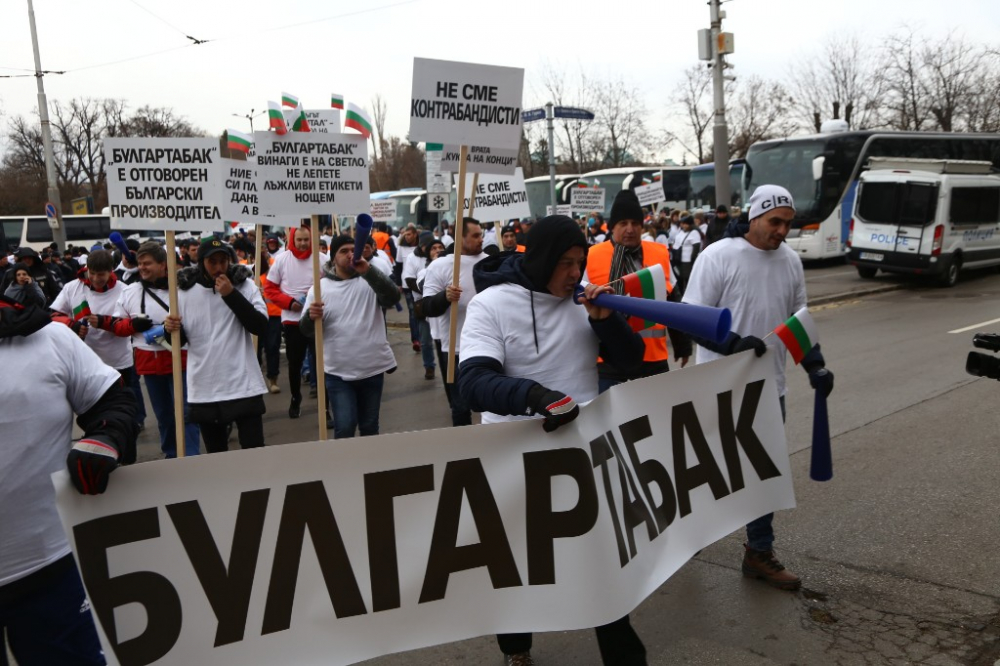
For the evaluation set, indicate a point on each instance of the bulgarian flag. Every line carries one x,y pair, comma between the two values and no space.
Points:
239,141
649,283
300,124
289,100
276,118
81,311
357,119
799,334
336,101
657,176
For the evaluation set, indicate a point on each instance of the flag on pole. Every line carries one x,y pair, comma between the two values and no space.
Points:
649,283
337,101
300,124
81,311
239,141
799,334
357,119
276,118
289,100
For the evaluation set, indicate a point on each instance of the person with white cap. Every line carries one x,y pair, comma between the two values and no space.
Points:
759,278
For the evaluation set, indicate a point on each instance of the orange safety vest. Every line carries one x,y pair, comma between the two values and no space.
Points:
381,239
599,271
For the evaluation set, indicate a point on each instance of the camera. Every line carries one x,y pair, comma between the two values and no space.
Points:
984,365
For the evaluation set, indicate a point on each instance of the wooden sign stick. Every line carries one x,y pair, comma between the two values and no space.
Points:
257,259
320,372
180,438
463,155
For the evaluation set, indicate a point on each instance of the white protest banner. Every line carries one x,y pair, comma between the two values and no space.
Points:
164,184
497,197
467,104
650,194
383,210
481,159
324,121
240,202
560,210
421,538
306,173
587,199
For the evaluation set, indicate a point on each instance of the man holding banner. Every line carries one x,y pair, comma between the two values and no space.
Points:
760,279
528,352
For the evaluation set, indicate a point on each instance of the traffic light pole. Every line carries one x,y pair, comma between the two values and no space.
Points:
720,148
550,116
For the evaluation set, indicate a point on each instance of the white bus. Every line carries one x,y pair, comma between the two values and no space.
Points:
673,178
821,171
539,197
81,230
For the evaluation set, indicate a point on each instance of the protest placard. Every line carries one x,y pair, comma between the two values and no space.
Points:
161,184
481,159
240,201
383,210
466,104
306,173
421,538
560,210
324,121
497,197
650,194
586,200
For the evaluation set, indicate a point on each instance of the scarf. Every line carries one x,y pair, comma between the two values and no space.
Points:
295,251
624,261
112,279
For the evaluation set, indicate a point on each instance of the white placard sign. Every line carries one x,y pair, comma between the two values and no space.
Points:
560,210
240,202
383,210
439,183
306,173
497,197
467,104
481,159
650,194
318,553
324,121
585,200
164,184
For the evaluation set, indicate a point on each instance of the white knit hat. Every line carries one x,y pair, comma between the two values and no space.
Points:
769,197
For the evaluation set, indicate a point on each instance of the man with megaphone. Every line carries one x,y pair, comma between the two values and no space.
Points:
760,279
528,352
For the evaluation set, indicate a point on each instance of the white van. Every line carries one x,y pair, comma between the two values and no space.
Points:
925,217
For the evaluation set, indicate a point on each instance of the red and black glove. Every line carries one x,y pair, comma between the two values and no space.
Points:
558,408
90,462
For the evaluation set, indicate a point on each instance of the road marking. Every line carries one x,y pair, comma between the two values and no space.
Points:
975,326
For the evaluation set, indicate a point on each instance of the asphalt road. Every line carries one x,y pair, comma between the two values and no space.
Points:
899,553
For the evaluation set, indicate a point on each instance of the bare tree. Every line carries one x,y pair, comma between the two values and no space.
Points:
905,92
694,97
621,116
379,110
757,110
951,72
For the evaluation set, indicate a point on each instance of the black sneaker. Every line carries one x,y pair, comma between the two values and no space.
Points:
294,410
313,392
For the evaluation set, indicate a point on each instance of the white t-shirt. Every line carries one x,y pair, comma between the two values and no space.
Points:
350,308
761,288
295,277
36,420
115,351
685,242
432,322
382,263
404,252
439,275
499,325
447,240
222,363
411,267
132,302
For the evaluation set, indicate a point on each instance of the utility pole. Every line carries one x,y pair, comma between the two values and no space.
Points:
58,230
722,43
550,116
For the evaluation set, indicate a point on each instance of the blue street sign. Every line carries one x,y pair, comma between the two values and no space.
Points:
532,114
572,112
50,211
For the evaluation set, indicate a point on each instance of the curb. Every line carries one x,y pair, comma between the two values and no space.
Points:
847,295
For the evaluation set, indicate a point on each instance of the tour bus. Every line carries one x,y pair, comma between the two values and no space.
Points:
81,230
673,178
539,197
821,171
702,183
924,216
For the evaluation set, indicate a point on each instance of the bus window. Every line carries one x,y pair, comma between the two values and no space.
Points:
39,230
12,230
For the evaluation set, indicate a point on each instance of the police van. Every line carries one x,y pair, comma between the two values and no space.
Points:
925,217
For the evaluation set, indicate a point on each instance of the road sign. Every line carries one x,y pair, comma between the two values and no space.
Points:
572,112
50,213
438,203
532,114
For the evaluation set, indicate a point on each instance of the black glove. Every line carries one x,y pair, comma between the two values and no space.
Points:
558,408
748,342
105,322
90,462
822,380
141,324
77,325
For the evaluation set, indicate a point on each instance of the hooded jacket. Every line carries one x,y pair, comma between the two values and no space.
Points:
47,278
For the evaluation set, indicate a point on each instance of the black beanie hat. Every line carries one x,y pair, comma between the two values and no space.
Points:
723,208
625,207
338,242
546,243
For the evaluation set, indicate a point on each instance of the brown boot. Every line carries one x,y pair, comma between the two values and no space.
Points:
763,565
428,373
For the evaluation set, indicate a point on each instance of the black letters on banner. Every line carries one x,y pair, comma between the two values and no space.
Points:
467,478
227,588
762,463
307,506
154,592
542,524
634,510
685,419
650,471
383,563
601,452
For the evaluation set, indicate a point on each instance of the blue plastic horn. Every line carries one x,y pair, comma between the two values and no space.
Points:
700,320
362,230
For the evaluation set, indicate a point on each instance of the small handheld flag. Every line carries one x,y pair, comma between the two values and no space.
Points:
276,118
239,141
649,283
337,101
798,334
358,120
81,311
289,100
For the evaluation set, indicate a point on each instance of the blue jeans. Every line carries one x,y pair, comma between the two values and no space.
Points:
140,403
355,404
426,344
414,326
270,344
760,532
161,397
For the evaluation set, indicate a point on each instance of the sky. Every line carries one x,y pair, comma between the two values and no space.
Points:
312,48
